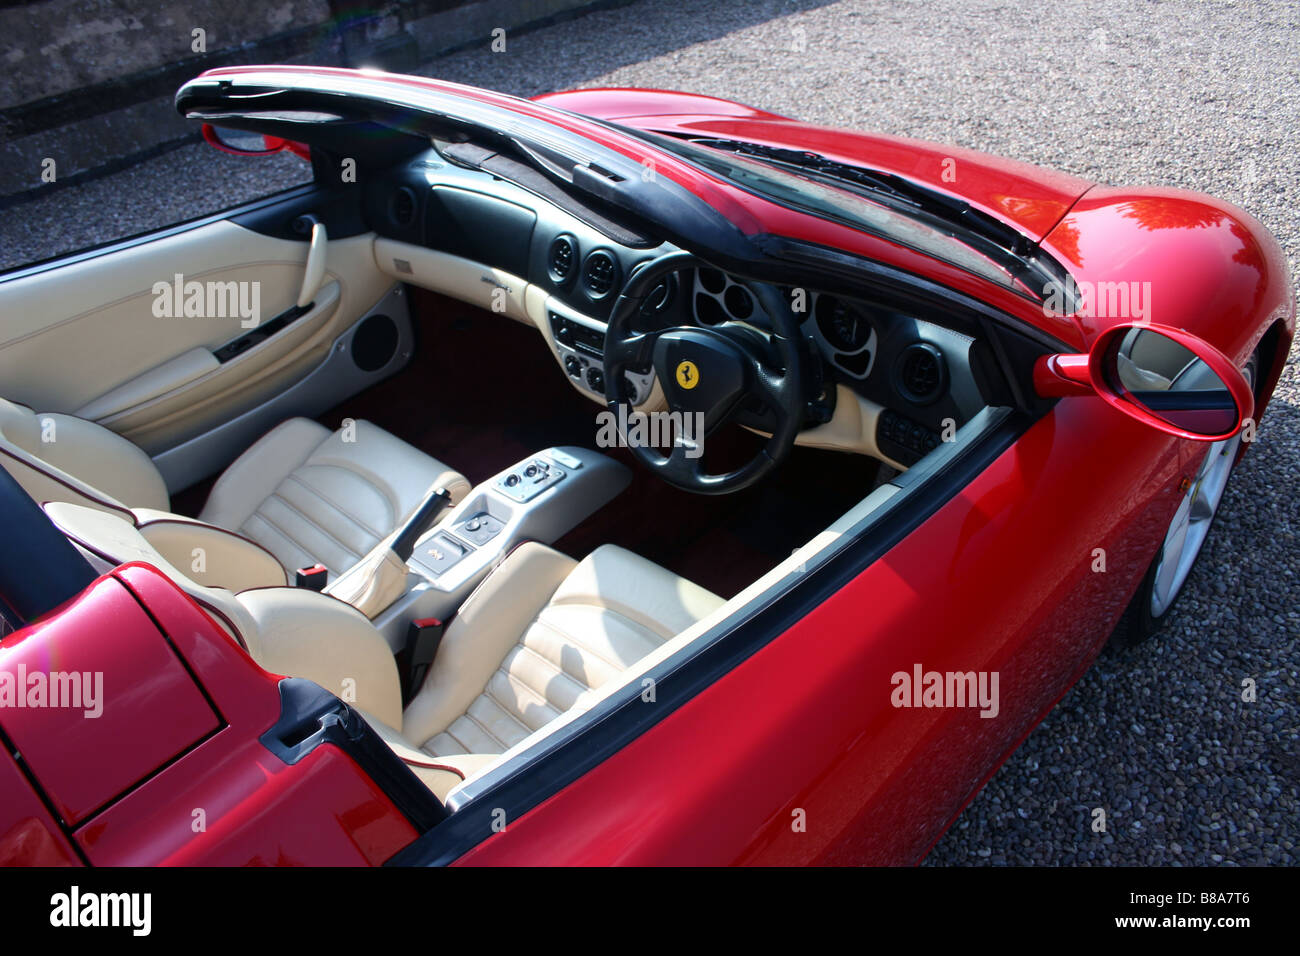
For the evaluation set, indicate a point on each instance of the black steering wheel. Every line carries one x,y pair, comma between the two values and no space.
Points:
707,372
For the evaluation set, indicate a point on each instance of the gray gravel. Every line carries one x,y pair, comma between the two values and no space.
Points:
1202,95
185,183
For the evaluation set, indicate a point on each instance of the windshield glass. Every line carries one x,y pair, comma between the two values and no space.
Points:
807,193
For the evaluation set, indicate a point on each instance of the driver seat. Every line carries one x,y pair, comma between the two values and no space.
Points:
539,636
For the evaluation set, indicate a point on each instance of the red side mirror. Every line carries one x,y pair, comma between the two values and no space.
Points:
241,143
1161,376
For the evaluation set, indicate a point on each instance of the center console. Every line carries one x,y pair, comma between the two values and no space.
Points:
540,498
581,343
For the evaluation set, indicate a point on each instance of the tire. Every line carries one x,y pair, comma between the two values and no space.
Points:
1155,600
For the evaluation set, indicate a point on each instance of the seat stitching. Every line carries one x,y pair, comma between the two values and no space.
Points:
565,634
539,694
607,609
645,625
456,740
308,520
278,530
559,669
447,733
505,710
313,522
339,508
294,542
475,721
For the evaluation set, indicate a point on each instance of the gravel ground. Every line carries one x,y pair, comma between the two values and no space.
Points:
184,183
1201,95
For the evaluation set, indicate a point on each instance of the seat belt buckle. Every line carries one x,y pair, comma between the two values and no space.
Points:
313,578
423,636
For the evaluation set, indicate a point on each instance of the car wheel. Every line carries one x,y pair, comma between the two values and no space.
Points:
1184,540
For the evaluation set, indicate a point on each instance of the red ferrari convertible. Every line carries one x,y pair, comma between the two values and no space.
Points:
622,476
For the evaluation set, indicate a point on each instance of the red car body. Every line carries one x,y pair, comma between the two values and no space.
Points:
175,772
794,755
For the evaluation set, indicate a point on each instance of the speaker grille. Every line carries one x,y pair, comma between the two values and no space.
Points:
375,343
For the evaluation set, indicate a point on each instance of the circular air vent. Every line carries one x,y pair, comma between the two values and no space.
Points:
561,257
660,296
402,206
921,374
599,273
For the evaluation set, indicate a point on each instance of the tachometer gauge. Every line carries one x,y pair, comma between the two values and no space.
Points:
842,327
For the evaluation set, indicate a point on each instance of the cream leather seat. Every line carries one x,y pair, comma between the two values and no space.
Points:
300,495
537,638
307,494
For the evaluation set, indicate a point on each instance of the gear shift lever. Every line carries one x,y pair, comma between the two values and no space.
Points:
424,517
378,579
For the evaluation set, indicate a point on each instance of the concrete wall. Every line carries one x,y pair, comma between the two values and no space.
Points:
89,83
55,46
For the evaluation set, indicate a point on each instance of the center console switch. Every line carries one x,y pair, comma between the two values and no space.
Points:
580,343
436,554
528,479
479,528
538,499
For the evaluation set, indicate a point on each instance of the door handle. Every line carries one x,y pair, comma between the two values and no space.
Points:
315,270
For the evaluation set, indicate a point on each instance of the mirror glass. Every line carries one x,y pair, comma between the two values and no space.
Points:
1171,382
241,141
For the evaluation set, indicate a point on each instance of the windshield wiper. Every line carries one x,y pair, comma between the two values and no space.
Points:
894,190
1017,253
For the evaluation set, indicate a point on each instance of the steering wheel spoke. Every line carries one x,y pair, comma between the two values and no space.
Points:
630,352
772,389
683,465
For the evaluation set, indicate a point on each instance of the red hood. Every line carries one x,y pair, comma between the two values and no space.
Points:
1031,199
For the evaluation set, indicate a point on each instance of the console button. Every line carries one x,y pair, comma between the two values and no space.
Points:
439,553
572,366
564,458
596,380
479,529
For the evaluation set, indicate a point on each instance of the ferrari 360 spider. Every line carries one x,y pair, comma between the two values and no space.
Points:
621,476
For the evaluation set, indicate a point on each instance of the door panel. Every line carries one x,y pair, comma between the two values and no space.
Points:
159,421
93,337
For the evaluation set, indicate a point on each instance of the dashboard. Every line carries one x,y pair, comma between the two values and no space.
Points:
544,257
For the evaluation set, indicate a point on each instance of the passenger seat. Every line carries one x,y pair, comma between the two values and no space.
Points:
302,493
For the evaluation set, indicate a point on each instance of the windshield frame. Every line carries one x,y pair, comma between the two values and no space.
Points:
868,212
